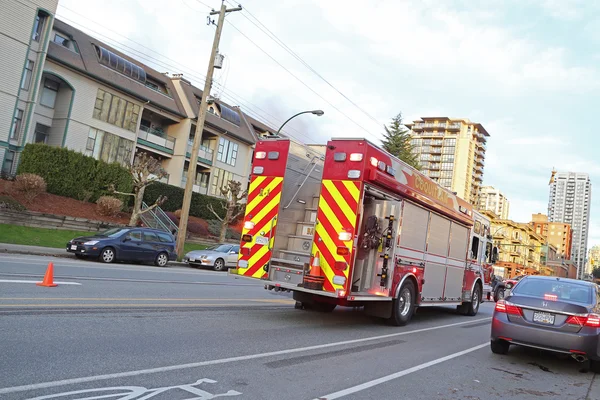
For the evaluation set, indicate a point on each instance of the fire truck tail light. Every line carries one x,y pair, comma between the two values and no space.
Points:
339,157
273,155
260,155
374,161
343,251
248,225
414,270
345,236
245,251
258,170
341,293
246,238
340,266
354,174
356,157
339,280
505,307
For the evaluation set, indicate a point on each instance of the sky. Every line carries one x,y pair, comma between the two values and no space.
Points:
527,70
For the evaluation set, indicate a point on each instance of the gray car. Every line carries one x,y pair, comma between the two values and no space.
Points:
219,257
556,314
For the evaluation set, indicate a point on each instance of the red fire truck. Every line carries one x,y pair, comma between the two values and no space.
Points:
349,224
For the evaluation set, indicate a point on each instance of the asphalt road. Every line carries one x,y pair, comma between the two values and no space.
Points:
141,332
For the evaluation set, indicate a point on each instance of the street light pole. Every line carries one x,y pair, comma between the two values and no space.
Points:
191,175
315,112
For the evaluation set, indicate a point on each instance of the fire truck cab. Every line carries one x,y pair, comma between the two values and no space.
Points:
349,224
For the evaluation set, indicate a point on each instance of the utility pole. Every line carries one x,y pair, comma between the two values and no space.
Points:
191,175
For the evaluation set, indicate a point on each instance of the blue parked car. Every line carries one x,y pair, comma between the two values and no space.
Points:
126,244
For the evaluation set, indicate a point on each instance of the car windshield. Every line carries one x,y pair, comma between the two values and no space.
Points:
221,248
114,232
563,290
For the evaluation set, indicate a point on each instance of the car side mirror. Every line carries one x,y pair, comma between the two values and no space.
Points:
126,239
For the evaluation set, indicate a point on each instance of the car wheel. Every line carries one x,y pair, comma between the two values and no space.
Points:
161,260
499,294
219,265
107,255
403,307
472,307
595,366
499,346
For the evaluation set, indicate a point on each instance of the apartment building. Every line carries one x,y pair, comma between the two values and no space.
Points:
451,152
570,200
593,259
491,199
521,249
98,101
25,30
558,234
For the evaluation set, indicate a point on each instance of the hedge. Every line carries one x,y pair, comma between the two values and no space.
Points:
198,206
71,174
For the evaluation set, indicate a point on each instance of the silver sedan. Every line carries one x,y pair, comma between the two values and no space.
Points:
556,314
218,257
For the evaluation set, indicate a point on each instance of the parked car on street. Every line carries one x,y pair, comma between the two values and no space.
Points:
555,314
218,257
126,244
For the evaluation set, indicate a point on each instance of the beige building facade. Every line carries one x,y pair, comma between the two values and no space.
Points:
491,199
451,152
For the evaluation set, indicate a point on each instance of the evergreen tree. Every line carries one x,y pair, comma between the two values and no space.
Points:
397,141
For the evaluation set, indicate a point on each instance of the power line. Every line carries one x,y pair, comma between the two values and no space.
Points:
276,39
298,79
199,77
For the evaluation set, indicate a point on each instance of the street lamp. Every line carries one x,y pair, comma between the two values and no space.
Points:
318,113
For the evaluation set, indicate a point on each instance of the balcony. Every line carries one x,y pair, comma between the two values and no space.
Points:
479,161
198,187
437,142
436,150
205,154
164,179
156,139
453,127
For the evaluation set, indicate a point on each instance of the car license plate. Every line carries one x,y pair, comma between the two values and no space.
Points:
192,260
263,241
73,247
543,318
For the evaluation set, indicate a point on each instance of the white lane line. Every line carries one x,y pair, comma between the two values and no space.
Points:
19,281
45,385
400,374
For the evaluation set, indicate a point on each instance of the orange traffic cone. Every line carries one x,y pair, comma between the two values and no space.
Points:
316,265
49,277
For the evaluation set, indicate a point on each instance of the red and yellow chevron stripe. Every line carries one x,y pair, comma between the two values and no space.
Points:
262,209
338,210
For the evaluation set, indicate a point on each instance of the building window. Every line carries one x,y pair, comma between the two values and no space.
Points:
9,160
26,82
41,133
227,152
156,86
448,150
15,130
108,147
220,179
49,92
38,26
116,111
119,64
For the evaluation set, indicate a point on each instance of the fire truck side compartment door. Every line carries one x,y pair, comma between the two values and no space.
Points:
459,239
435,258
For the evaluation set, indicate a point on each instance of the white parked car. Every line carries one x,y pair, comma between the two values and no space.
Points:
220,257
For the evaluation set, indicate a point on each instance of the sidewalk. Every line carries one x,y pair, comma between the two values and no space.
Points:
51,252
594,393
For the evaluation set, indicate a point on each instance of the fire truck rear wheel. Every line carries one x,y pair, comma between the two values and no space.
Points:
472,307
403,307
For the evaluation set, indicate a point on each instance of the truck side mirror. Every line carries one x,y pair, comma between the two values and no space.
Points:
494,255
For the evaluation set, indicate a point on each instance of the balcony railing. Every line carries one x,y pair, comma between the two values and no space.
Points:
205,154
153,137
164,179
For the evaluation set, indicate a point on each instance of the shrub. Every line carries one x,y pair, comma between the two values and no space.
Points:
8,203
173,217
109,206
72,174
197,229
214,228
198,206
30,186
177,213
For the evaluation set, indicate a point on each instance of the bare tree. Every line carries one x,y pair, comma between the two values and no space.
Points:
144,170
234,194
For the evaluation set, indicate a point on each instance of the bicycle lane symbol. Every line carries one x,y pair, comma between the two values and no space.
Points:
139,393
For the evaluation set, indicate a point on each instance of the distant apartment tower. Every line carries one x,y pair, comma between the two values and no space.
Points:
491,199
593,259
570,199
452,153
558,234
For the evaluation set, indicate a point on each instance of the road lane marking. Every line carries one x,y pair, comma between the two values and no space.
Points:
400,374
19,281
141,299
101,305
94,378
91,278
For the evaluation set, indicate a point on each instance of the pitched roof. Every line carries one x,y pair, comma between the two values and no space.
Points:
87,62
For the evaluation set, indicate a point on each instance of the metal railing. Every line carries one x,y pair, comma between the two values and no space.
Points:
157,137
204,152
157,219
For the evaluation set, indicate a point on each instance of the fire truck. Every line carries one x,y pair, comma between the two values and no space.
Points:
348,224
